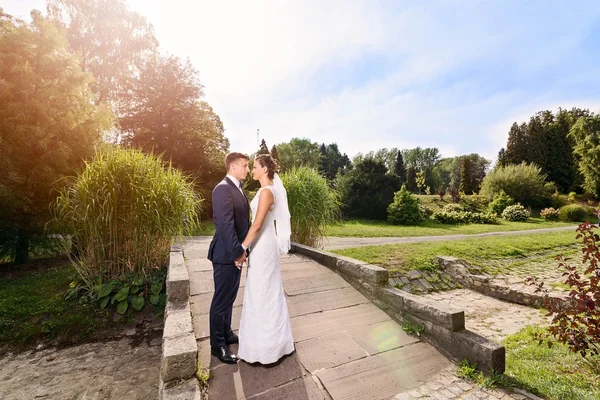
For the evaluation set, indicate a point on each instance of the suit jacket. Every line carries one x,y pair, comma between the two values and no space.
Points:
231,214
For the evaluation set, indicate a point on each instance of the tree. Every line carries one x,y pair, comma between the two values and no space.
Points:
411,179
263,149
420,179
333,161
466,176
113,43
166,115
535,137
423,160
399,168
404,210
48,122
367,190
586,135
274,152
298,153
516,147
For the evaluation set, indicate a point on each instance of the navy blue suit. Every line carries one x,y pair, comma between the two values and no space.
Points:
231,214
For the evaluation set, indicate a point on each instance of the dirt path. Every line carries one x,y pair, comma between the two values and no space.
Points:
334,243
120,369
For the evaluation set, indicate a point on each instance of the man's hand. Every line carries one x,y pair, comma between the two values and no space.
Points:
240,260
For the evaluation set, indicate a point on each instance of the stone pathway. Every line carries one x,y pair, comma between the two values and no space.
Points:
334,243
346,348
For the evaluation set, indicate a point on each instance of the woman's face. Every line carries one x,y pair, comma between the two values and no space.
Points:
258,170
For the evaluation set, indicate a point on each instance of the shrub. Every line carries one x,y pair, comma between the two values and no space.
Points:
405,209
465,217
516,213
442,193
524,183
501,201
576,322
550,214
313,204
426,212
572,197
453,207
452,217
573,212
558,200
123,212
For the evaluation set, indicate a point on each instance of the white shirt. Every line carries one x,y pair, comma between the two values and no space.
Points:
236,182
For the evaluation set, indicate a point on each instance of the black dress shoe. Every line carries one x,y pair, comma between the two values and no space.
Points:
233,339
224,354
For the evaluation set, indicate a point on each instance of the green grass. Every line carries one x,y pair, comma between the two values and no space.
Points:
554,373
488,253
206,228
368,228
33,309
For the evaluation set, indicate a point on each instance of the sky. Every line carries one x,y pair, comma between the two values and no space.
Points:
451,74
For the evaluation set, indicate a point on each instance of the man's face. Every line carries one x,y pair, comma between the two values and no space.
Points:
239,169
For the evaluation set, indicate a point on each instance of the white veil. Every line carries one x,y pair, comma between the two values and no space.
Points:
282,216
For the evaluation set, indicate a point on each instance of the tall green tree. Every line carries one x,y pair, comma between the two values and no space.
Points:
299,152
367,190
586,135
274,152
333,161
112,41
48,123
399,168
168,116
516,147
263,149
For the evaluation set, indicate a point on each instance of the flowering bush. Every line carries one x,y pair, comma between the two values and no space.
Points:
453,207
464,217
516,212
550,214
501,201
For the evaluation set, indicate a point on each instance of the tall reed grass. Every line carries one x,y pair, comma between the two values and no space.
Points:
313,205
123,212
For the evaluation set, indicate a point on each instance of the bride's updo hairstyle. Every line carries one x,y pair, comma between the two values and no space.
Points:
266,160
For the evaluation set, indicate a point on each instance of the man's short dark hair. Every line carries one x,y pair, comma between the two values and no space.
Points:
233,157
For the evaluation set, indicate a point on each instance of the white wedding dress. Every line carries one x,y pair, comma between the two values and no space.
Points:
265,332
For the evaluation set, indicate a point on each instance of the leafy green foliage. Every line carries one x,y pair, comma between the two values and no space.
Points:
123,211
464,217
49,124
298,152
367,190
573,212
576,321
586,135
404,210
313,204
333,162
412,328
500,202
524,183
124,292
516,213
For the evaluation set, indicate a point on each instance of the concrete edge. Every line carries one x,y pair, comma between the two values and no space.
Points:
179,359
444,324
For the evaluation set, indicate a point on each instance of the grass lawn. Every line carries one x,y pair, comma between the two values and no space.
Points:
492,254
207,228
368,228
33,308
554,373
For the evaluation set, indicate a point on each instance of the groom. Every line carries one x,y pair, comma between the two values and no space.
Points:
231,215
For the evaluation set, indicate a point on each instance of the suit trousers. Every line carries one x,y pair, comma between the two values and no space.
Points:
227,282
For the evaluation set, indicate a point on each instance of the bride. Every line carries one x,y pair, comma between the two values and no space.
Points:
265,333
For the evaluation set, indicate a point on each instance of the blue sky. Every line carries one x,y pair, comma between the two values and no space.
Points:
371,74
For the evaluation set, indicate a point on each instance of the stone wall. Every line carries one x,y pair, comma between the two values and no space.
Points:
444,325
179,360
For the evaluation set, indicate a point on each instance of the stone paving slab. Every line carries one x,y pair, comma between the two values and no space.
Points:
309,303
327,322
312,285
329,351
381,337
384,375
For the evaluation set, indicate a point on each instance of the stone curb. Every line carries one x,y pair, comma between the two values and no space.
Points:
179,359
444,324
459,271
